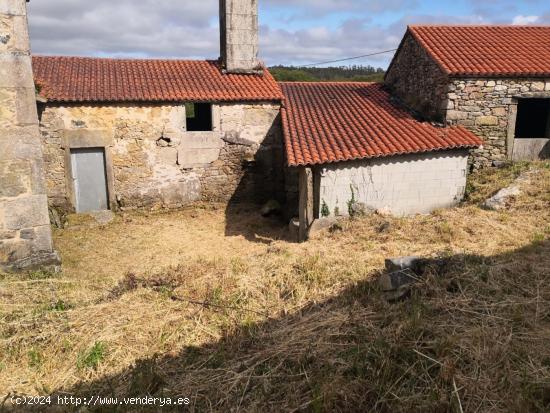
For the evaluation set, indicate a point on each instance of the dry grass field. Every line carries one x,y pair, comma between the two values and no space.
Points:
217,306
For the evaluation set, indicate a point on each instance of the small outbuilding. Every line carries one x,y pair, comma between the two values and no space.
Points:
493,80
354,146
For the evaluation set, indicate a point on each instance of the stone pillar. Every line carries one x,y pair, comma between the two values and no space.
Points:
25,233
239,36
307,202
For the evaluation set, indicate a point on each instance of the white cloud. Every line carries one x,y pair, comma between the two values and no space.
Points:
189,29
524,20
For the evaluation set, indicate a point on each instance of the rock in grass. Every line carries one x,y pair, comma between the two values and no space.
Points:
103,217
397,280
294,230
270,208
413,263
323,223
501,199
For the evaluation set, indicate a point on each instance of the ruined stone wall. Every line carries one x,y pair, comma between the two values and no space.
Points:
154,162
488,107
25,234
417,80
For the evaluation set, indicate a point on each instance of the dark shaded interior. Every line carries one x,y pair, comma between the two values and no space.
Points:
533,118
199,117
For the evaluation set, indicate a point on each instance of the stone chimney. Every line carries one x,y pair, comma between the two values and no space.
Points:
25,234
239,36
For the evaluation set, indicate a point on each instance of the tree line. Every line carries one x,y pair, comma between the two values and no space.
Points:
353,73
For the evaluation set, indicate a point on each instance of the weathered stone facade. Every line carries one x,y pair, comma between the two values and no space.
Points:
152,161
488,108
417,80
25,234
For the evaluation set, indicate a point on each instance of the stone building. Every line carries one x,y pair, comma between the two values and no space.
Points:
25,234
354,147
142,133
494,80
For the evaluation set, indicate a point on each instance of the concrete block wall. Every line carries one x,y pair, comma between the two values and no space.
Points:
239,36
402,185
25,234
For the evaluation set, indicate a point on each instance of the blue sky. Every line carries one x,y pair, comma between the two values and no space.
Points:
292,31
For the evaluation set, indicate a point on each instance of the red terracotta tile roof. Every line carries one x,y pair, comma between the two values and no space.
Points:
331,122
78,79
487,50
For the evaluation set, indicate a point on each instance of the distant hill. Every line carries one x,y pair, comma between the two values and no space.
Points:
327,74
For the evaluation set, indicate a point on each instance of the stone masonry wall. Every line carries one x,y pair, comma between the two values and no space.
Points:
25,234
417,80
487,107
156,163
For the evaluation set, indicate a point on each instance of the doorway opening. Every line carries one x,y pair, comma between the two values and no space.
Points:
532,130
89,179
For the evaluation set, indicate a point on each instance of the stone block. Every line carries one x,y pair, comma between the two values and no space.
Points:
537,86
15,71
242,21
402,263
235,139
241,7
181,193
244,52
242,37
7,235
199,148
499,111
43,239
25,106
14,36
321,224
456,115
486,121
194,158
14,178
8,115
26,212
14,250
87,138
27,233
167,155
396,280
294,229
13,7
20,42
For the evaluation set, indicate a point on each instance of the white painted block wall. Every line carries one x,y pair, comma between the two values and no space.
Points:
404,185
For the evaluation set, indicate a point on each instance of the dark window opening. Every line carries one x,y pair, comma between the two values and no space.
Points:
199,117
533,118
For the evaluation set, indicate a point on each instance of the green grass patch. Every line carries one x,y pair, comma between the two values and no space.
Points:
91,358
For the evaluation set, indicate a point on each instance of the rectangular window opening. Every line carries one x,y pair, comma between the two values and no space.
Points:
199,117
533,118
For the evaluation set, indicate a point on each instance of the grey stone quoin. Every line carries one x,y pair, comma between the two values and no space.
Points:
25,234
